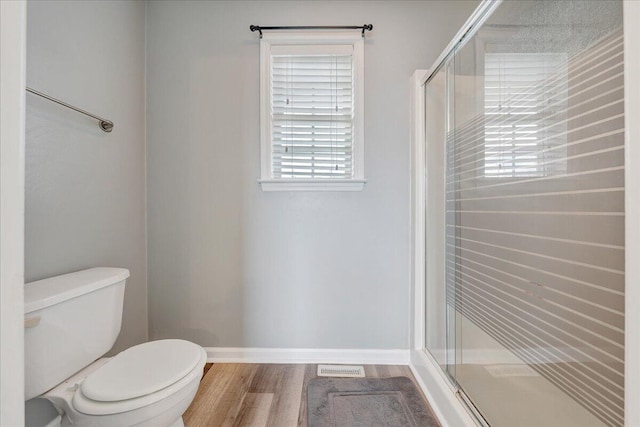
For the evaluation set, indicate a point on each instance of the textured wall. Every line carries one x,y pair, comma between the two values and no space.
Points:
230,265
85,189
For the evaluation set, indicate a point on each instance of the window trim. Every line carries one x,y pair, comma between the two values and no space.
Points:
272,39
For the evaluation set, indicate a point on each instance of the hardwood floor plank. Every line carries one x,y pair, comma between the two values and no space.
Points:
237,400
286,402
397,371
382,370
370,371
255,410
229,405
208,394
220,394
207,366
268,378
309,373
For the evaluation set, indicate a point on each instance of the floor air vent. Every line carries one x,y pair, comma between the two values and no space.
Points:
341,371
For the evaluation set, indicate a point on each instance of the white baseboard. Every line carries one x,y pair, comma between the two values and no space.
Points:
446,405
307,355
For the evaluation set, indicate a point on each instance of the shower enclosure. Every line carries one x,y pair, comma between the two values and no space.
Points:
525,214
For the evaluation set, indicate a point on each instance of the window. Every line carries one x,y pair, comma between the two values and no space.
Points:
525,105
312,111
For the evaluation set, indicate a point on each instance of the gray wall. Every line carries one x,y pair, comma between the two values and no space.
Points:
85,189
230,265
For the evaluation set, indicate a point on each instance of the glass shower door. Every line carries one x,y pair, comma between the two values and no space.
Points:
532,280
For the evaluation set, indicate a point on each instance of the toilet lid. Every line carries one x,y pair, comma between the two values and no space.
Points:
141,370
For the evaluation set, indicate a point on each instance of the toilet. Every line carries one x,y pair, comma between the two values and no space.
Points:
71,321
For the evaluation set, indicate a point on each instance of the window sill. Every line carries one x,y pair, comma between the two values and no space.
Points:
312,185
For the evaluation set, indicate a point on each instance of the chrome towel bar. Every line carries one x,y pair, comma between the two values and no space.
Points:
105,125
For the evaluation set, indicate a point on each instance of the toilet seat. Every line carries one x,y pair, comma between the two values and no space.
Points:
140,376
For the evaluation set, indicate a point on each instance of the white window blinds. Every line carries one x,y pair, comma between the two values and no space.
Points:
312,114
525,94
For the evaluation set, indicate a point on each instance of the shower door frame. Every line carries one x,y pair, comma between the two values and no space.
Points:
631,17
13,50
448,403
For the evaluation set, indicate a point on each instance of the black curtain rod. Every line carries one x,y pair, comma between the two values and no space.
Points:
367,27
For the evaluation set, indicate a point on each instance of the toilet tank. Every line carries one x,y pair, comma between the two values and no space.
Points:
70,321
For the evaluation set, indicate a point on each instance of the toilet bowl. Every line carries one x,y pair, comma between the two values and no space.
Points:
142,386
72,320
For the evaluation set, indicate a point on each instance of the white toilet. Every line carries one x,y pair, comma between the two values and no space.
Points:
72,320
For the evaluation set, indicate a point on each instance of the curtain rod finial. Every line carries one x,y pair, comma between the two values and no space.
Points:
257,28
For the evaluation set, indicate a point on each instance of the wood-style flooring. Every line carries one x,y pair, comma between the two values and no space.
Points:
234,394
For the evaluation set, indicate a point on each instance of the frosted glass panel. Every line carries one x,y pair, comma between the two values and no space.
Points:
534,186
